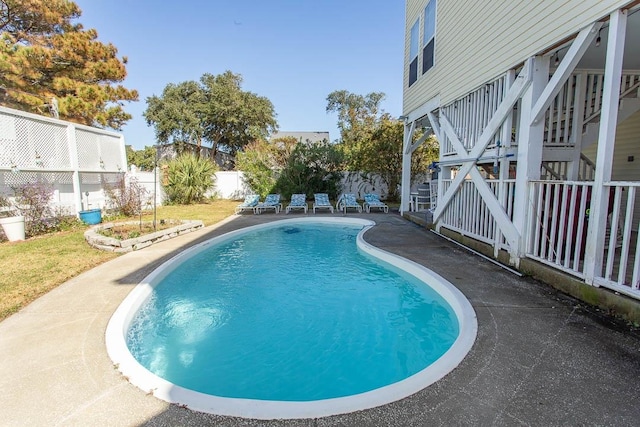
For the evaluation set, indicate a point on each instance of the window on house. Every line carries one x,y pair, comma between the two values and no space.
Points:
413,52
429,36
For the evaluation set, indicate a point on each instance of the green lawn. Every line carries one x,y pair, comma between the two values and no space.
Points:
34,267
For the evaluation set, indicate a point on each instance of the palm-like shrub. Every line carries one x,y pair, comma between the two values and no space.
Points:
188,179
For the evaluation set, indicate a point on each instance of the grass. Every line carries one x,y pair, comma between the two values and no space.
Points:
34,267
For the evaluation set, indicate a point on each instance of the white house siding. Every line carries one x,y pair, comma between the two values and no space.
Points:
497,36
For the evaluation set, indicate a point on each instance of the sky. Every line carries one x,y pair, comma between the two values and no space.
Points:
294,52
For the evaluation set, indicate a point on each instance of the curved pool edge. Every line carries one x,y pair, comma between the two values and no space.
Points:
139,376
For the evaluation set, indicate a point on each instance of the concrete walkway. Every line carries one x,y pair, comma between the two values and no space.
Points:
539,359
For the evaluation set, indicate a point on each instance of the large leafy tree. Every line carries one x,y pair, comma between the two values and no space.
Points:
48,62
178,115
372,140
214,111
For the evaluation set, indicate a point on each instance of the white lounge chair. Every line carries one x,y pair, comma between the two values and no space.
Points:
250,203
372,200
346,201
272,201
298,201
321,201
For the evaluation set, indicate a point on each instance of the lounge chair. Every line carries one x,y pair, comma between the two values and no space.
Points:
321,201
272,201
298,201
372,200
346,201
250,203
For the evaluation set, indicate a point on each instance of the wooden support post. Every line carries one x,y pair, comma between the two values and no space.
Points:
406,167
529,152
606,142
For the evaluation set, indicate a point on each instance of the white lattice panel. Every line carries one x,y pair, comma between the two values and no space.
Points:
99,151
29,143
90,178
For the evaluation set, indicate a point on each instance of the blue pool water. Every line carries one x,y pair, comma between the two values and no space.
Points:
290,313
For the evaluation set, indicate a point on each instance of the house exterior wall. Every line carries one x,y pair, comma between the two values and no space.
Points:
497,36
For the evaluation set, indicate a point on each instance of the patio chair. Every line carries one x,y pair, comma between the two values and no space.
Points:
250,203
346,201
372,200
272,201
298,201
321,201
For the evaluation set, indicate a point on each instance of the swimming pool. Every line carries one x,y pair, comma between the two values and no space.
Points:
387,363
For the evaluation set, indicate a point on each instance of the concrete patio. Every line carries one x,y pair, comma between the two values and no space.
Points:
540,358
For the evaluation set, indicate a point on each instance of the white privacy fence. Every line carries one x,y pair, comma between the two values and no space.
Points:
76,160
231,185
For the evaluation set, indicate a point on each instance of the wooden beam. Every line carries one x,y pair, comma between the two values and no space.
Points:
424,109
511,98
435,125
407,138
606,142
564,70
502,219
448,130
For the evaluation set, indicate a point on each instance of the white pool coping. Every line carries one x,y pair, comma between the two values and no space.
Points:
268,409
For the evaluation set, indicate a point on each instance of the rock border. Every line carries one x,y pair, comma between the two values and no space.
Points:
99,241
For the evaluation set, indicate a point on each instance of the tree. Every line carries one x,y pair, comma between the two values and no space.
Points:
47,62
144,159
382,155
372,140
357,118
215,111
178,115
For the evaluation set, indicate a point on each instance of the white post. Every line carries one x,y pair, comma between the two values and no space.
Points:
606,143
529,157
406,167
504,162
73,155
573,171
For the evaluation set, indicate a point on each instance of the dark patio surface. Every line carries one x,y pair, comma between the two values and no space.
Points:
540,358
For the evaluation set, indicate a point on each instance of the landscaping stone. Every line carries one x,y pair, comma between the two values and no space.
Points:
99,241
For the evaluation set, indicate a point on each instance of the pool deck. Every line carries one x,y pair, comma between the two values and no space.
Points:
540,358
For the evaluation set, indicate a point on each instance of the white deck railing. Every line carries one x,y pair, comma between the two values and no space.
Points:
558,224
468,214
558,229
621,252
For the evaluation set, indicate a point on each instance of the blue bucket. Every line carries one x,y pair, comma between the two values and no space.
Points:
91,216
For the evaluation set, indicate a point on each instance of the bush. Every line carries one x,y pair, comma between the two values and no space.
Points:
32,201
188,179
314,168
126,199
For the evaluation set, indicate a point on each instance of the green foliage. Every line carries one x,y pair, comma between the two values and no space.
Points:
258,164
144,159
214,111
371,140
178,116
188,179
49,63
285,166
313,168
